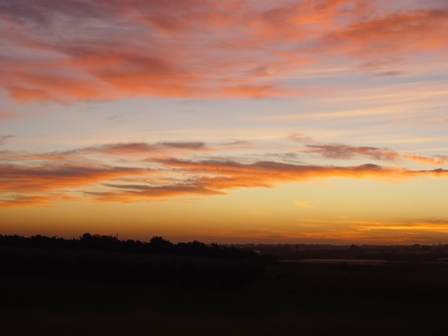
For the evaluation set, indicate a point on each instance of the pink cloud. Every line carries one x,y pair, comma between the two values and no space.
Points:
390,34
339,151
202,49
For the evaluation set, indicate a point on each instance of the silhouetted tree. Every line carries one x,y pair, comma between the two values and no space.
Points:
160,245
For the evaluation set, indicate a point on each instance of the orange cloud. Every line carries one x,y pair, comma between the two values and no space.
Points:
391,34
134,193
173,169
20,201
31,87
25,201
434,161
23,179
144,151
203,49
223,175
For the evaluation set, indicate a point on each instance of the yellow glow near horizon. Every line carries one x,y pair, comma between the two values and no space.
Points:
338,214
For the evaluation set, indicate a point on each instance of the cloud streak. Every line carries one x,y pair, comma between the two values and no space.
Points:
17,179
347,152
164,170
344,152
230,174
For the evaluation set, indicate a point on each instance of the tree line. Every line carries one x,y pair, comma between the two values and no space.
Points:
106,258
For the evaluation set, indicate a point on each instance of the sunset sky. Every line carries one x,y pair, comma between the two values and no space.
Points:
286,121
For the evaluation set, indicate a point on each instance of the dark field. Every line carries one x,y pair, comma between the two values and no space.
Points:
90,290
304,301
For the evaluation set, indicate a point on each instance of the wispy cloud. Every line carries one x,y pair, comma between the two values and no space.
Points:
203,49
163,148
416,30
338,151
135,150
134,193
20,201
347,152
231,174
435,161
178,169
25,201
16,179
4,138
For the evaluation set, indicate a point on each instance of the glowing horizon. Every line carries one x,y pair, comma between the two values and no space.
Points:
255,121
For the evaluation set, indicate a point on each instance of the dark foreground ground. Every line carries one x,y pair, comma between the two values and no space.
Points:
292,299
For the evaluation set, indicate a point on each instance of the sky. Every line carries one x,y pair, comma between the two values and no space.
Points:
286,121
